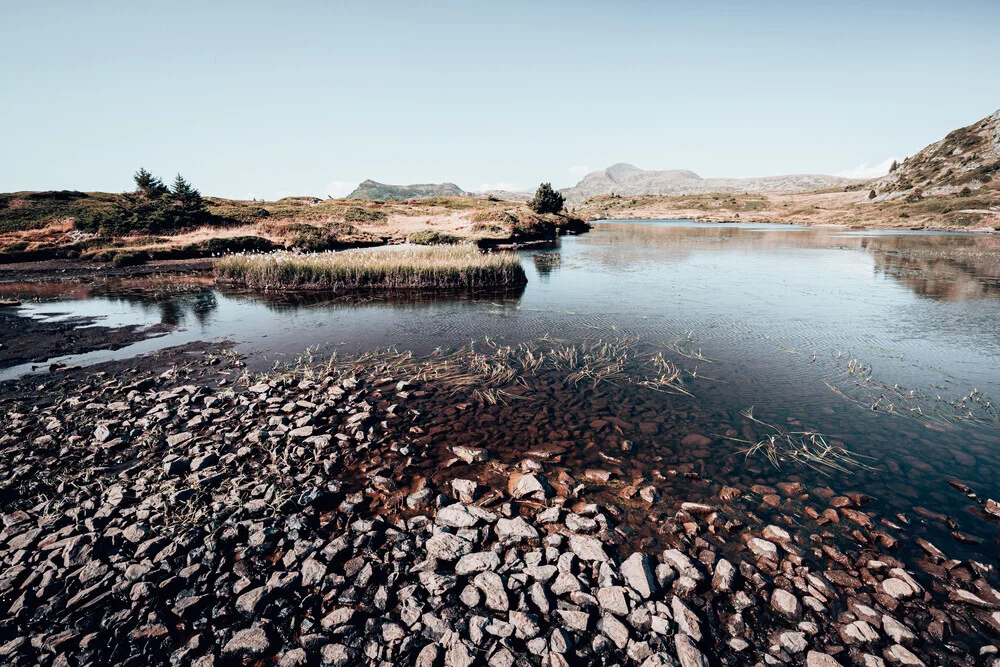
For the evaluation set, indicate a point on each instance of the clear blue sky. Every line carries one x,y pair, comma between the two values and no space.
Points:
268,98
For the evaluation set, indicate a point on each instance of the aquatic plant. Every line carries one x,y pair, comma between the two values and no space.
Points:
860,386
810,448
432,267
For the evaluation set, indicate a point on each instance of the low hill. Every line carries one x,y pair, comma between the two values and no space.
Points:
629,180
968,158
370,189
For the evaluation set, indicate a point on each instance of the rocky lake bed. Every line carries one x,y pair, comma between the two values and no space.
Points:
186,512
597,489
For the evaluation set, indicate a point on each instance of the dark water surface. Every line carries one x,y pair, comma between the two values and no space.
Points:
888,343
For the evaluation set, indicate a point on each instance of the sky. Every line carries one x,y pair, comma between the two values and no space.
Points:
265,99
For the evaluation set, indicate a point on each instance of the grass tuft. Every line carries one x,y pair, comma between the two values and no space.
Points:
432,267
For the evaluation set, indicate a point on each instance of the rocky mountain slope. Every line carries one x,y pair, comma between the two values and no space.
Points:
969,158
628,180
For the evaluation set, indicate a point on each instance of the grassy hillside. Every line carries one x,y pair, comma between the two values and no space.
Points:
50,225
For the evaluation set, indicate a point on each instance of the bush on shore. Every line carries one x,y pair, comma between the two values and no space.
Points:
432,237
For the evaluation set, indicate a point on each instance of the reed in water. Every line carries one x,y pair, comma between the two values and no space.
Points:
433,267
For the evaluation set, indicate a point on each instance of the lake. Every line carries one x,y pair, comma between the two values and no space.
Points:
887,344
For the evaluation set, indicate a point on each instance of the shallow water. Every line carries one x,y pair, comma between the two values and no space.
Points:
873,338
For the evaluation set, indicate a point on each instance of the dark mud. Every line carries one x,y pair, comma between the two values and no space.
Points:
25,339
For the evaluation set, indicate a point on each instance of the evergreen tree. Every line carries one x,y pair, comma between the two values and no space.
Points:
148,186
546,200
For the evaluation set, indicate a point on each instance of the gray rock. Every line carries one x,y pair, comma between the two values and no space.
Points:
725,574
818,659
687,621
612,599
587,548
455,516
491,585
897,631
793,642
252,642
786,604
688,653
613,629
445,546
898,654
515,530
638,574
477,562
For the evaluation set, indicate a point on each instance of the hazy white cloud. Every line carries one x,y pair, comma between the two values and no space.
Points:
486,187
339,189
580,170
868,170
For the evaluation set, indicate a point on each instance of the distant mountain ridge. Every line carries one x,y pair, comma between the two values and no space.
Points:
370,189
627,180
968,157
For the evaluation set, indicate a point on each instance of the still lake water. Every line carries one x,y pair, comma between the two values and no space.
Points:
874,338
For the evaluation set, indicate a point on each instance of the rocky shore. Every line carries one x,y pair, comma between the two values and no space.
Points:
189,513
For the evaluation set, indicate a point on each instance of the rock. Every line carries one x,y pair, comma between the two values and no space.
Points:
684,565
578,621
428,656
777,535
697,509
337,618
860,632
465,489
335,655
587,548
695,441
613,629
491,585
786,604
477,562
687,621
898,654
515,530
455,516
897,588
530,485
252,642
659,660
688,653
470,454
725,574
638,574
446,546
818,659
612,599
793,642
581,524
525,625
763,549
898,632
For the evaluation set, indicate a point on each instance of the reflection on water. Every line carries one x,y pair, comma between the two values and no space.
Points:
773,317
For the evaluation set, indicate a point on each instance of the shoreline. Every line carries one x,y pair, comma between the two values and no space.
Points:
328,514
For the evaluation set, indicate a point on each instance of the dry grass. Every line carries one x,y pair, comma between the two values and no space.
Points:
432,267
808,448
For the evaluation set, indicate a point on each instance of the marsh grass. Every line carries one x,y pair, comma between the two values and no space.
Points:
859,385
809,448
494,373
431,267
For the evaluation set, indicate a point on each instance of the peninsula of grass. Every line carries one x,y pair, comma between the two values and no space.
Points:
424,268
